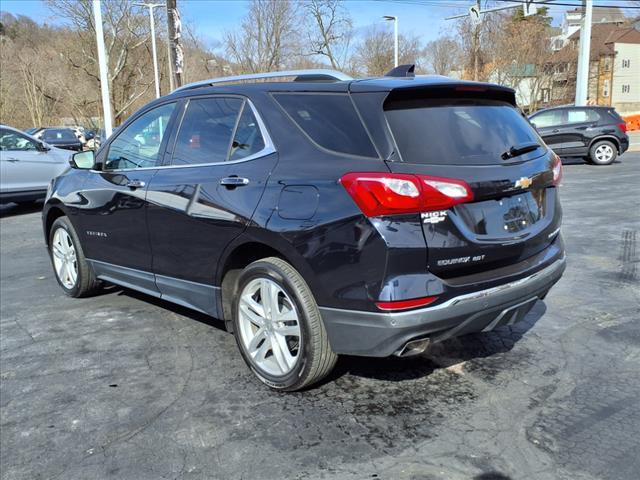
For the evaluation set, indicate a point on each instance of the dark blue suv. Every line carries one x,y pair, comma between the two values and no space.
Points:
319,216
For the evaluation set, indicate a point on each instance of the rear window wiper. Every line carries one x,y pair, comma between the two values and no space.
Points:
521,149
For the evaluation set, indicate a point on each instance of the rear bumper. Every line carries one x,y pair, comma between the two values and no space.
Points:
624,144
379,334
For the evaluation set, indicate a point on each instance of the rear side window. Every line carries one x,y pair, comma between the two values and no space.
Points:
582,115
458,133
247,139
206,130
330,120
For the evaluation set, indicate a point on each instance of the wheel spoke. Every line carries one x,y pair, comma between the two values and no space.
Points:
255,341
253,310
288,331
261,353
281,352
60,270
288,316
57,251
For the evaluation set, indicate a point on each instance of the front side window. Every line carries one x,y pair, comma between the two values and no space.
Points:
206,130
14,141
138,145
547,119
330,120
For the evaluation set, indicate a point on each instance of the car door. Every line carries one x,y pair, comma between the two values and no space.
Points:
582,125
549,125
220,162
25,165
111,212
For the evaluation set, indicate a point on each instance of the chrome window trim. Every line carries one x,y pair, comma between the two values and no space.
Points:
268,149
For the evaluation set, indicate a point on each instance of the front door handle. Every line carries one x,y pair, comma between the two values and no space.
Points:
234,181
13,160
555,130
135,184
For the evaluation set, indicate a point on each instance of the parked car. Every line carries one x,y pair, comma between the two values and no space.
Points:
597,134
62,138
33,131
317,218
27,166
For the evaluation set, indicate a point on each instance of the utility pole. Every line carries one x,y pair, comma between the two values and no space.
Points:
395,37
102,64
476,44
174,29
151,6
582,79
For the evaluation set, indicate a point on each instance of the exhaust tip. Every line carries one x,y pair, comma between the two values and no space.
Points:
414,347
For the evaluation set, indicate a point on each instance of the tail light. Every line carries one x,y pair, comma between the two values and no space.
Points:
405,304
378,194
557,170
623,126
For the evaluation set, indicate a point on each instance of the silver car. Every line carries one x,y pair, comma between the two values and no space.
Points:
27,166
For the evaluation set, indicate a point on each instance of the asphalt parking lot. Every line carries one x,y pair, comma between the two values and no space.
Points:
125,386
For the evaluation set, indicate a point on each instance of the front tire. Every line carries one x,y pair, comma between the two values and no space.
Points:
72,271
278,327
603,153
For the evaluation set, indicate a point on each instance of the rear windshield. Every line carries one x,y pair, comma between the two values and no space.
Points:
51,135
451,132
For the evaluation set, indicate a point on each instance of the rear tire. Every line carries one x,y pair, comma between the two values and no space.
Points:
603,152
278,327
72,271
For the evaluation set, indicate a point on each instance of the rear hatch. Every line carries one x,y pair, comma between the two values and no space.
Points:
476,137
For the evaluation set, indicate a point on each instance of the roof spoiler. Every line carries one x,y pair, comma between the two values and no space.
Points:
402,71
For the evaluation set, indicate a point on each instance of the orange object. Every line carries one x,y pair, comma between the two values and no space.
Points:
633,122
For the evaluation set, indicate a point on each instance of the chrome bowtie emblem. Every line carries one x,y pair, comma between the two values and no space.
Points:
524,182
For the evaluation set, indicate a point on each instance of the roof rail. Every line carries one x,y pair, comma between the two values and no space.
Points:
313,75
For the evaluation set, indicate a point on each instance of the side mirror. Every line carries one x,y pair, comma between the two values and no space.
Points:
43,147
83,160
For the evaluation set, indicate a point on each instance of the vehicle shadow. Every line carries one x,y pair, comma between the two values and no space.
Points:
15,209
443,355
448,354
172,307
581,161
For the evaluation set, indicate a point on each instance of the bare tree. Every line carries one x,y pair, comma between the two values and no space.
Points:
442,55
330,32
520,57
267,39
126,35
374,54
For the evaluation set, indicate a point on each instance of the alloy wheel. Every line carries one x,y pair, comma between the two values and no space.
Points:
604,153
64,258
269,327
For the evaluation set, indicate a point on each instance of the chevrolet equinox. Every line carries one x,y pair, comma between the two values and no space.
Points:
319,215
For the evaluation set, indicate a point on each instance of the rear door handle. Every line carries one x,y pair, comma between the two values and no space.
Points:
135,184
234,181
555,130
